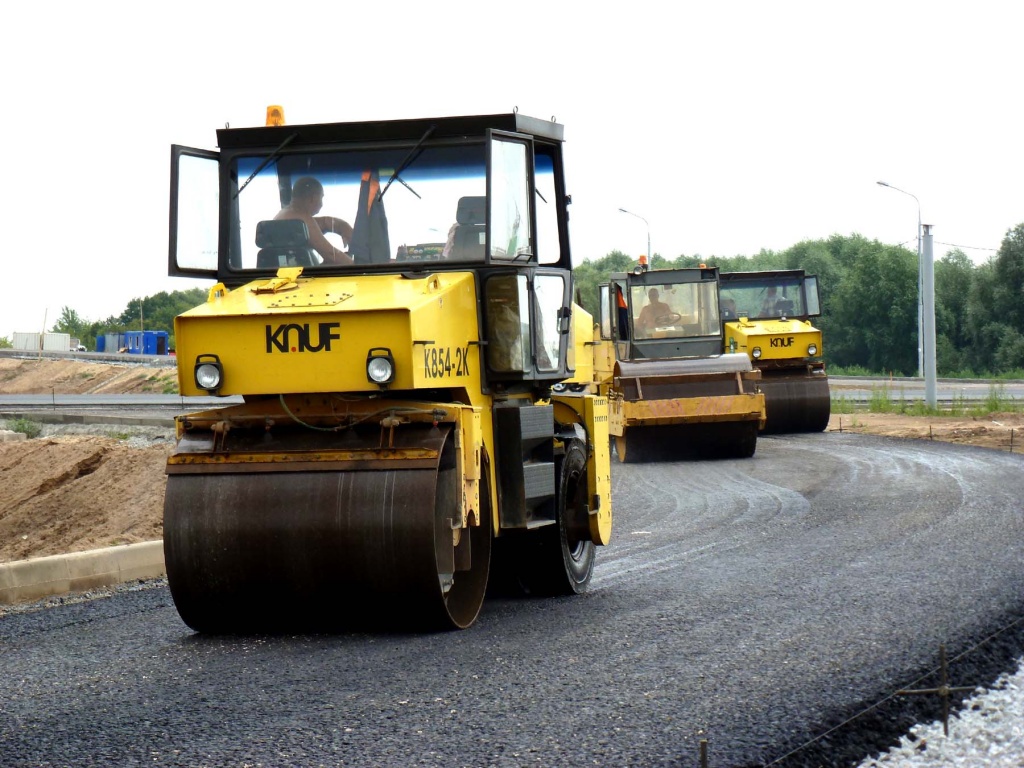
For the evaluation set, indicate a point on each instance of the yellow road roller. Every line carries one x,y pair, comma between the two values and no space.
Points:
392,302
658,360
767,316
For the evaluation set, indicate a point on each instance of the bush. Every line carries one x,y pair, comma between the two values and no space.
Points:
28,428
842,404
850,370
882,402
1015,375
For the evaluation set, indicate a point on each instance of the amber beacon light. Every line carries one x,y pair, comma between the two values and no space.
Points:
275,115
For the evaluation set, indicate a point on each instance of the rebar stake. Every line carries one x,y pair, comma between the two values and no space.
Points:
943,690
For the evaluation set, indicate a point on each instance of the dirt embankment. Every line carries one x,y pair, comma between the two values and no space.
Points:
69,493
78,377
72,492
999,431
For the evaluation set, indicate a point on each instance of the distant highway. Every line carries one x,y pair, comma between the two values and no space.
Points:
860,389
854,389
8,402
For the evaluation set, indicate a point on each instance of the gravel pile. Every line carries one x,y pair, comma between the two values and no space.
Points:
135,436
988,731
986,726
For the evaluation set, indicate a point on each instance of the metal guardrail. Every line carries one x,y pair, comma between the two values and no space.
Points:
951,392
120,358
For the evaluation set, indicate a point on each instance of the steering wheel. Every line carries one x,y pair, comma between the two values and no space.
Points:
669,318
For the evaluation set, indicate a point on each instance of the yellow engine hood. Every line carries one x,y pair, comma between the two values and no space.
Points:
777,339
292,334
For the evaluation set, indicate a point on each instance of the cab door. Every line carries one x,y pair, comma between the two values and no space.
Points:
527,319
194,232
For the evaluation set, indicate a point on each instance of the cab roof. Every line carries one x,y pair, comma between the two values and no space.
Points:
388,130
762,275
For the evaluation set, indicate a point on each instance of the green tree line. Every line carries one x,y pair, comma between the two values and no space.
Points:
868,299
869,302
150,313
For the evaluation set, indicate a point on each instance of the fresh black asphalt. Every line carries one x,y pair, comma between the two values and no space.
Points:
753,603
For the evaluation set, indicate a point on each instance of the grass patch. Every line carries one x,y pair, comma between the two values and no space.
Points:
881,401
1015,375
29,429
920,408
997,400
851,370
843,404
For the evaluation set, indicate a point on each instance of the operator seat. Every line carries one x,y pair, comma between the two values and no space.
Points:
284,243
470,231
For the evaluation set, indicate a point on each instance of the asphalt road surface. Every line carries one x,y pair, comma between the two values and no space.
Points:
752,603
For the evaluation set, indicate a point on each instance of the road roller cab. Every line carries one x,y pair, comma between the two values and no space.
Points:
767,316
672,392
392,300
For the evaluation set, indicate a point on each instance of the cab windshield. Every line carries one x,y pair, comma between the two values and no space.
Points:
675,310
764,299
382,205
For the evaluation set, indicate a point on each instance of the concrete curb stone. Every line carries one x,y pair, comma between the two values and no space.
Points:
39,577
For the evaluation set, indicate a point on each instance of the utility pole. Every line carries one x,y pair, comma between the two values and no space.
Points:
928,299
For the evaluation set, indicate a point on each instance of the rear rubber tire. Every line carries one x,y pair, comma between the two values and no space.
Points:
562,557
746,444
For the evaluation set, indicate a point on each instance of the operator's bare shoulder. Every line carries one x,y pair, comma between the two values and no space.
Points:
290,213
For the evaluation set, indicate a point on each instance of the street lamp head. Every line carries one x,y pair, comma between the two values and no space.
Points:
883,183
637,215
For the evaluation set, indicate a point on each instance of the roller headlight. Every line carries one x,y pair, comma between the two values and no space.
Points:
209,373
756,353
380,366
812,349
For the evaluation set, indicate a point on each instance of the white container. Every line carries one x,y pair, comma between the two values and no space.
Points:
57,342
26,342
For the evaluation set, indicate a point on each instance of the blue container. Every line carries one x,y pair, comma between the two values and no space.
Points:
147,342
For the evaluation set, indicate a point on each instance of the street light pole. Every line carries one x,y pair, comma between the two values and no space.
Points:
920,291
928,281
650,256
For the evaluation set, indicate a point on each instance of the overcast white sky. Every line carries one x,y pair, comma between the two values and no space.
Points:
729,127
